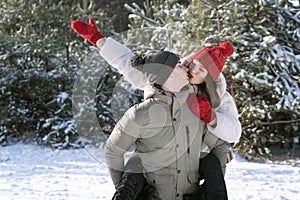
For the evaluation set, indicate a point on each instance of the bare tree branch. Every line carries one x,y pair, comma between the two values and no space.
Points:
279,122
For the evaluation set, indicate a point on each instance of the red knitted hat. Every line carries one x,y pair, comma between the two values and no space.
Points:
212,58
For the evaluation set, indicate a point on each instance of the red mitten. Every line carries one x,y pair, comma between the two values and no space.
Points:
200,106
87,31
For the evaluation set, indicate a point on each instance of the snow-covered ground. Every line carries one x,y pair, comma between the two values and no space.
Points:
30,172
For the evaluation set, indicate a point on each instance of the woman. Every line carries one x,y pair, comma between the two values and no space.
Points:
121,59
205,68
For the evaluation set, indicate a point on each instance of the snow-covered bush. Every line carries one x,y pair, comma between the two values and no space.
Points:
36,102
39,57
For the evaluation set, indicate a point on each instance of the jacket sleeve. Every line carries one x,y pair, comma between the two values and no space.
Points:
228,126
119,57
123,136
221,85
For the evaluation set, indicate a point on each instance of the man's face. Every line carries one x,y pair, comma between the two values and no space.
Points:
177,79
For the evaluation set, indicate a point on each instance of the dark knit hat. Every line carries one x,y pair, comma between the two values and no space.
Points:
157,66
212,58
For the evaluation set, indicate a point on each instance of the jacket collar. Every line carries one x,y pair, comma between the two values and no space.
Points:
151,91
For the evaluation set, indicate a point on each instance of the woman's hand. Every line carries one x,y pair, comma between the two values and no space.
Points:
87,31
200,106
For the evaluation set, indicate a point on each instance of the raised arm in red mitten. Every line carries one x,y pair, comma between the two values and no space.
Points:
87,31
200,106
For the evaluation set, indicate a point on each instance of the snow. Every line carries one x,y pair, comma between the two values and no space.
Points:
62,97
294,2
34,172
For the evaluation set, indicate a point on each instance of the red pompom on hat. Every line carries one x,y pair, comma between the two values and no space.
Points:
212,58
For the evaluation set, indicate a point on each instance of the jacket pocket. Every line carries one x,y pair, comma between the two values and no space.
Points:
192,177
165,185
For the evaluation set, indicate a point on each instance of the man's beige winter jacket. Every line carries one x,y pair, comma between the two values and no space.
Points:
168,139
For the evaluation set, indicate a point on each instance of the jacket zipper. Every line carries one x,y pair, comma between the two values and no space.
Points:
172,119
187,130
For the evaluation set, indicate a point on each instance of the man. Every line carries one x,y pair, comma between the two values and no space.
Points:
166,134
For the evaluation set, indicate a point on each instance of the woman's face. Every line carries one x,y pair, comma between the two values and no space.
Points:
197,73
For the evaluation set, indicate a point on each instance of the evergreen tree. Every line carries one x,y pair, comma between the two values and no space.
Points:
40,56
263,73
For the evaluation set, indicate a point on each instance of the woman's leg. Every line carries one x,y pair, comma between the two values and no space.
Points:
214,184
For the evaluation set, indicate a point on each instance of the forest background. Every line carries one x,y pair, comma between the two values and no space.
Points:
56,90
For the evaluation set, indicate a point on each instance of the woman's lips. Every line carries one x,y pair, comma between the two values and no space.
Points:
190,75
